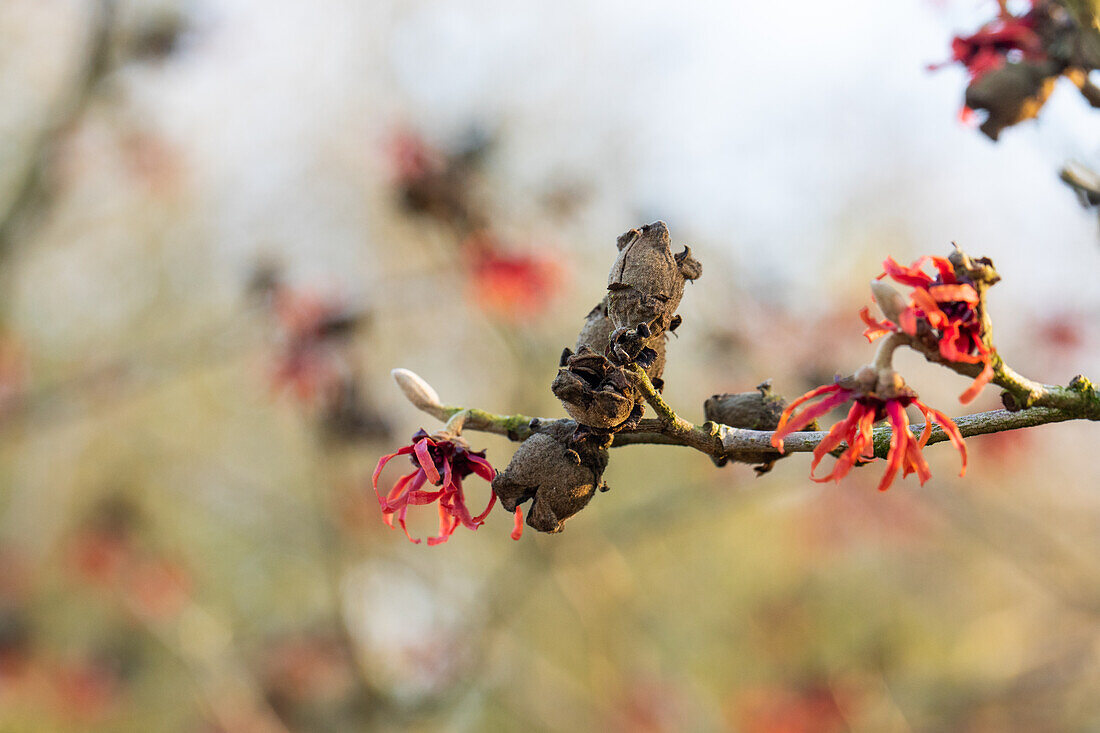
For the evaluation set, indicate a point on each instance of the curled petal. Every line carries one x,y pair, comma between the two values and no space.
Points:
899,442
481,517
424,457
859,422
405,484
386,459
927,432
908,321
915,463
833,438
976,386
401,520
816,392
913,276
953,433
448,473
420,498
963,292
875,329
932,313
447,525
455,502
787,425
945,268
482,468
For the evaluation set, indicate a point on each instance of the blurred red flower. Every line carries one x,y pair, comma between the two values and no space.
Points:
159,588
509,285
988,49
443,461
869,405
306,365
411,157
811,709
86,691
100,556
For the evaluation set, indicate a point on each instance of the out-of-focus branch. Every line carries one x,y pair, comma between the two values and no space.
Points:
31,194
1085,12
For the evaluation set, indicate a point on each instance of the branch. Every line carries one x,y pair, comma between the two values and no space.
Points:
31,193
1080,400
724,441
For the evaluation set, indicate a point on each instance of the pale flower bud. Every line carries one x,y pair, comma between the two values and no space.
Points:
421,394
889,300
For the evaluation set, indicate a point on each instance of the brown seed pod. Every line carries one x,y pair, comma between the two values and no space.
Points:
558,474
628,326
756,410
647,281
594,391
597,328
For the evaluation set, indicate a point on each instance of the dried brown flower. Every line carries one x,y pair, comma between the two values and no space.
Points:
557,473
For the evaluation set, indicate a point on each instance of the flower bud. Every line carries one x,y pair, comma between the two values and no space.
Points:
421,394
889,301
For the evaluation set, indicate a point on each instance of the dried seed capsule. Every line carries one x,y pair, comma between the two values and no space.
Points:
597,328
756,410
647,281
558,474
594,391
627,327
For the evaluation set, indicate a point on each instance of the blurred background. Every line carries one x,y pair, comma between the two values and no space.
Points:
222,222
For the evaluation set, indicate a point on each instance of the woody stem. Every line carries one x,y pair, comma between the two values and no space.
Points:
456,422
1081,400
884,356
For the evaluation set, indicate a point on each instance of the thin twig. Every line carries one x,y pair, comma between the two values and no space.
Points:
717,440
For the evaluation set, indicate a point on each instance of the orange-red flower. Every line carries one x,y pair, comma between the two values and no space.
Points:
989,48
948,304
412,159
507,284
874,396
442,461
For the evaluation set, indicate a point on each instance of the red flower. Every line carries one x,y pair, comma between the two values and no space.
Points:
412,159
509,285
948,304
159,588
443,461
307,365
988,49
874,396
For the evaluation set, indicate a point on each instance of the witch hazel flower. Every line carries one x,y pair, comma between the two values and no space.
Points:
509,284
441,461
943,310
875,393
997,42
307,364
